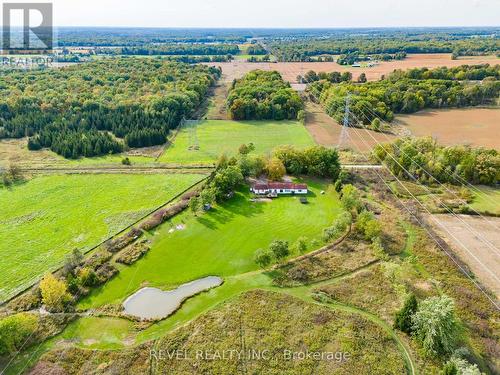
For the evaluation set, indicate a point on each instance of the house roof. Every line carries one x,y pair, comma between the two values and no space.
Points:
279,185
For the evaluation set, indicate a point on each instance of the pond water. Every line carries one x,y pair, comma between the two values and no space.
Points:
154,303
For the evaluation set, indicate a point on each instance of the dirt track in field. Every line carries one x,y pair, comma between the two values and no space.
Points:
326,131
290,70
483,260
468,126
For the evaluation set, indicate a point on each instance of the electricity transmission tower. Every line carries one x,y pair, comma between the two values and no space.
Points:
344,135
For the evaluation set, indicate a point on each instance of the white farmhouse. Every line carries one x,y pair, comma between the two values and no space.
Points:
279,188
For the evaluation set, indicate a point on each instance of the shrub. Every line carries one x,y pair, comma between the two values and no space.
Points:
435,325
403,318
275,169
14,330
55,294
73,261
133,253
280,249
301,245
350,198
87,277
299,274
263,258
368,225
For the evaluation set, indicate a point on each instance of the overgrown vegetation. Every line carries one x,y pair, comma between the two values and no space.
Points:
420,158
262,95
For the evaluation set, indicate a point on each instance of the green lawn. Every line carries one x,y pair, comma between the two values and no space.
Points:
214,137
487,201
44,219
221,242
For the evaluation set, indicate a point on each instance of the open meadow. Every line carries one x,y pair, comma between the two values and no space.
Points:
204,142
486,200
476,127
44,219
290,70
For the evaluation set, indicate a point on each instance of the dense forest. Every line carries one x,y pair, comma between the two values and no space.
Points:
307,49
452,164
128,36
173,49
409,92
261,95
83,110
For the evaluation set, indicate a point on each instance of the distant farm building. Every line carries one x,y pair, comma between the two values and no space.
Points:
279,188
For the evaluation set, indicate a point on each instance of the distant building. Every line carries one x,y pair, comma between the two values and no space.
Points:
279,188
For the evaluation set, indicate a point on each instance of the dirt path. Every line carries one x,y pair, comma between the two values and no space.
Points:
217,107
482,259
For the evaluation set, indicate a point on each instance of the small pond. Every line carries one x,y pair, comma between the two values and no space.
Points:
154,303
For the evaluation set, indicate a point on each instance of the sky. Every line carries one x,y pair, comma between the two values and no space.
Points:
275,13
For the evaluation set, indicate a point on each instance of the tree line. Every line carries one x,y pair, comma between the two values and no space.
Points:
354,57
173,49
262,95
401,93
256,49
101,107
305,49
451,164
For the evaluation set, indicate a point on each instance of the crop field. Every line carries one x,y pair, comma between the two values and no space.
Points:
44,219
229,236
472,126
482,259
290,70
326,131
203,143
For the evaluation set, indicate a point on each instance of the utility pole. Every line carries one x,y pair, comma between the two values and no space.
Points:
344,135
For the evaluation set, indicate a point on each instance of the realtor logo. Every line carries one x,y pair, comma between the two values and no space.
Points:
36,33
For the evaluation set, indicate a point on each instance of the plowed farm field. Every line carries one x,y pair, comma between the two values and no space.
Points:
290,70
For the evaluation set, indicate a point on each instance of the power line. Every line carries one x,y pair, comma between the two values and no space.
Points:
472,230
456,177
425,208
430,234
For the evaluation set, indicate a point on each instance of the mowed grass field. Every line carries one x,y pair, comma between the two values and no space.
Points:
204,142
221,242
44,219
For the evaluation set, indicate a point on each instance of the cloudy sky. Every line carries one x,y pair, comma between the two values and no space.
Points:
275,13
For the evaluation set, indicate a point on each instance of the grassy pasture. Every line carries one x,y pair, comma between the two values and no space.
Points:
44,219
203,143
221,242
487,201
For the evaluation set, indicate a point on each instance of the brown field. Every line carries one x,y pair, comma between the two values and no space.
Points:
15,151
483,260
290,70
326,131
470,126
